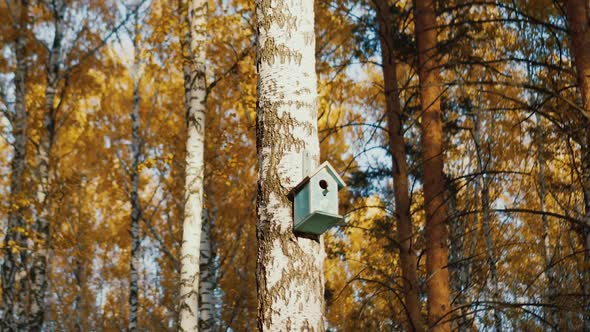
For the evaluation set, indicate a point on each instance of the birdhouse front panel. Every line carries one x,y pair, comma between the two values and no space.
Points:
324,192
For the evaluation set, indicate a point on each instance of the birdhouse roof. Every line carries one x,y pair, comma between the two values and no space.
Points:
330,170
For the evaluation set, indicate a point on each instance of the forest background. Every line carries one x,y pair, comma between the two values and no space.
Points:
92,95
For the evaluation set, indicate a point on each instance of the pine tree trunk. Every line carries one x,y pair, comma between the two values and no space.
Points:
397,149
195,94
437,285
14,269
289,269
578,14
134,174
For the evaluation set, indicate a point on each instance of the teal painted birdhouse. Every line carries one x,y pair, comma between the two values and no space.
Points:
315,200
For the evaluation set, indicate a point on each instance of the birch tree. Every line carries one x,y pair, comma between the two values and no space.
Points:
289,267
194,14
206,283
40,256
483,162
437,284
136,152
14,266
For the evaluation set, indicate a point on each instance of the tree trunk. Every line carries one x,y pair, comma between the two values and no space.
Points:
550,314
458,264
14,269
134,174
397,149
484,183
78,275
206,286
578,14
437,285
195,37
289,270
485,204
42,230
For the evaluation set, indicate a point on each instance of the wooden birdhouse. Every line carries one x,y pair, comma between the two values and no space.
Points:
315,200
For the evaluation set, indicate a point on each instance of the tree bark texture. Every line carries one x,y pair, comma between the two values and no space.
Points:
289,266
134,174
550,314
482,166
195,36
397,149
42,224
578,14
207,285
437,284
14,267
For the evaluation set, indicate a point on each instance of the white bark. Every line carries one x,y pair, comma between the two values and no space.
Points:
135,204
549,313
484,179
207,285
13,271
42,225
195,91
289,267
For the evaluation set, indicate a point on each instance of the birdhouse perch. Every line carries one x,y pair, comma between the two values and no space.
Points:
315,200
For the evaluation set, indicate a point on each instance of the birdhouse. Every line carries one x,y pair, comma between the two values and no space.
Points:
315,200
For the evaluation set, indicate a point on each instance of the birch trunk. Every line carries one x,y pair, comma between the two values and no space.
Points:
437,285
484,183
42,226
78,275
457,264
134,174
206,286
13,272
492,262
195,95
550,313
289,270
397,147
578,14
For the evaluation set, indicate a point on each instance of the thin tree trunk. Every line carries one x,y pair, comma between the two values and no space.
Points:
457,262
437,284
208,316
14,269
206,286
468,270
42,230
485,205
78,275
549,313
397,149
578,14
78,268
195,94
134,174
289,269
